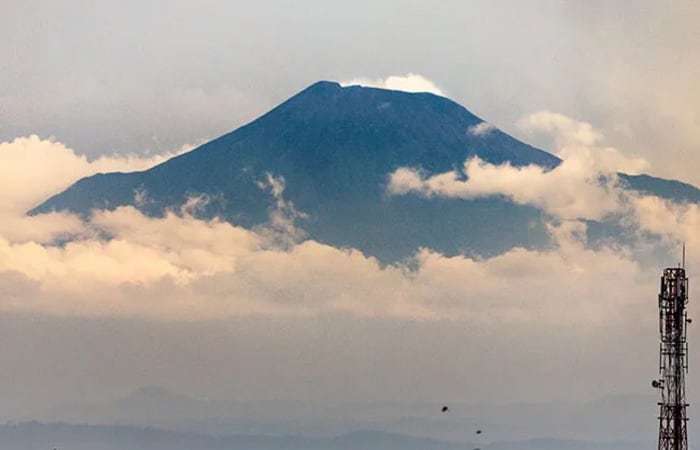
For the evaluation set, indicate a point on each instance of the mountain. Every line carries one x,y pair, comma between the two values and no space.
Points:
335,147
612,418
40,436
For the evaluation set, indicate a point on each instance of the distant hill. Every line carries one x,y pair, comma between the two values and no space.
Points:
335,147
39,436
614,418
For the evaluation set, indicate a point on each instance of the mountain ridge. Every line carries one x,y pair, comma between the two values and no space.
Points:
37,435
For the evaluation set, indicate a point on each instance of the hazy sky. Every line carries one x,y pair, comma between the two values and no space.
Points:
105,77
94,319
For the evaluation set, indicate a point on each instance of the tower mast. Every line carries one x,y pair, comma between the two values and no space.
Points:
673,359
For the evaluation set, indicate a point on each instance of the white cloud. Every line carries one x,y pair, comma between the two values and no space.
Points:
672,222
583,186
580,140
178,267
32,169
481,129
410,82
569,191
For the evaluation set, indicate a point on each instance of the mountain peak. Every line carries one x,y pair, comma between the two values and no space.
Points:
327,86
331,97
324,85
335,148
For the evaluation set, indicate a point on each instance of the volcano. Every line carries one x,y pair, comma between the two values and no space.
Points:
335,147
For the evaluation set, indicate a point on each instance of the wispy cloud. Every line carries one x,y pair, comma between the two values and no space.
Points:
410,82
584,186
575,139
481,129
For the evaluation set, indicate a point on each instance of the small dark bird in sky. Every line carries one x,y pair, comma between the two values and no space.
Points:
445,409
478,431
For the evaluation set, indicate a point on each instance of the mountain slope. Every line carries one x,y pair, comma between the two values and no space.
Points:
335,146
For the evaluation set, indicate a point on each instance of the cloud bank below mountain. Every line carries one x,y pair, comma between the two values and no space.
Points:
122,263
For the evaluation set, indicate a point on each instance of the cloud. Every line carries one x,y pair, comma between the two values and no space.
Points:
177,267
584,186
410,82
282,229
33,168
671,221
481,129
576,139
570,191
177,279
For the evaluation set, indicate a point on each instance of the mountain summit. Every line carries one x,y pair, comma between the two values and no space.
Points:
334,147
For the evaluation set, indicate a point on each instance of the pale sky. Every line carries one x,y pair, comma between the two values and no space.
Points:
126,77
129,83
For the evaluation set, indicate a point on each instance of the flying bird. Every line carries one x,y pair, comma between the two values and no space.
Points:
478,431
445,409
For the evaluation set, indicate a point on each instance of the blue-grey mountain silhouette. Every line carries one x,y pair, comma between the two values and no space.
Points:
35,435
335,147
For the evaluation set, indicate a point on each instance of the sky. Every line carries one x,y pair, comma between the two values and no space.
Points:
132,77
213,310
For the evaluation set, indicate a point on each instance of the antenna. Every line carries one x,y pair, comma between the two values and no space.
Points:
683,266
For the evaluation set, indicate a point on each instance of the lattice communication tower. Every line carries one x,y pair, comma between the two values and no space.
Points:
673,359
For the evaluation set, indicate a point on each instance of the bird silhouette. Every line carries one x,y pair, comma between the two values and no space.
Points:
445,409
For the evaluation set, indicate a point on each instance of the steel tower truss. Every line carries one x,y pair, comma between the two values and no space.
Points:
673,360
